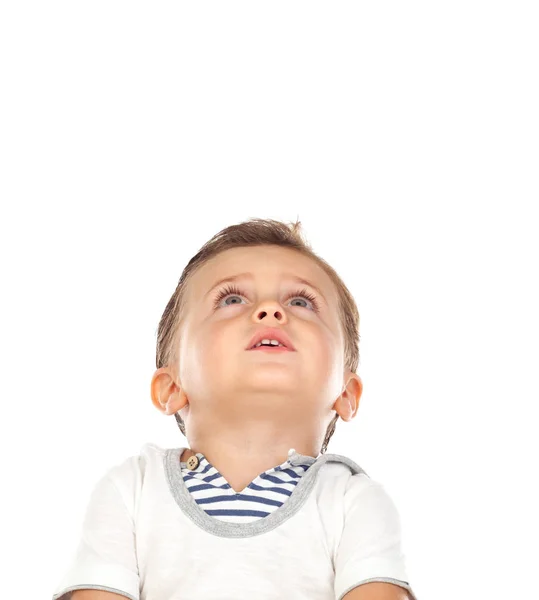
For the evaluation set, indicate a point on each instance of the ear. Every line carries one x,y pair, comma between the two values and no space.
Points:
347,403
167,395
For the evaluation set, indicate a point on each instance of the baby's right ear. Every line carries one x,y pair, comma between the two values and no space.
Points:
164,391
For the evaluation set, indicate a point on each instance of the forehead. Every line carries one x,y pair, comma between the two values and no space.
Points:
265,263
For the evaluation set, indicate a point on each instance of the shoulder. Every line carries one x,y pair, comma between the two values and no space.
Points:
357,494
129,475
367,502
135,465
343,477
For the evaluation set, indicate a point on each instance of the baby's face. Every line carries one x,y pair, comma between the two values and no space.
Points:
220,376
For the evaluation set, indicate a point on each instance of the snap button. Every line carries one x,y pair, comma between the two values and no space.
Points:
193,462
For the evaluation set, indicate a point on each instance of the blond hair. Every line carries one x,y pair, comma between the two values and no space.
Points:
256,232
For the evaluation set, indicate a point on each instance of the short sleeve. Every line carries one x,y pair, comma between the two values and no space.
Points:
370,544
106,555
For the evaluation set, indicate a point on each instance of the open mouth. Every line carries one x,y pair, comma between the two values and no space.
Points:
271,349
271,337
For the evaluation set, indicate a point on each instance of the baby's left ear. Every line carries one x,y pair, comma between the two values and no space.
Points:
352,393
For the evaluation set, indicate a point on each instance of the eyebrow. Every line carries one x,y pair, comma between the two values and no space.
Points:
290,276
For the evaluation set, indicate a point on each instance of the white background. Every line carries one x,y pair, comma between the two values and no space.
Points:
403,135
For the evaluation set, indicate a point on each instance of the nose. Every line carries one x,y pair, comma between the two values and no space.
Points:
269,310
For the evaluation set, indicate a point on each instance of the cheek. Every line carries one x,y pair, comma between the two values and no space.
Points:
207,361
325,356
322,347
215,342
326,368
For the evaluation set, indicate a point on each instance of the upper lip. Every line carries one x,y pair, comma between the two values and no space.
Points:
270,333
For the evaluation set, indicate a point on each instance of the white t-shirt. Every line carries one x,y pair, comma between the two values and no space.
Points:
308,529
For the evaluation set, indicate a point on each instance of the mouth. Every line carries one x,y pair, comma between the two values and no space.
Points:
273,334
270,349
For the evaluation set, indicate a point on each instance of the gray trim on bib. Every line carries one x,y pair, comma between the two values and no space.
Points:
180,492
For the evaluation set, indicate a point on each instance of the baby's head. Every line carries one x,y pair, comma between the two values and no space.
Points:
259,273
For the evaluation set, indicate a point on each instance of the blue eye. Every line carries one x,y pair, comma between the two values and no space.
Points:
232,290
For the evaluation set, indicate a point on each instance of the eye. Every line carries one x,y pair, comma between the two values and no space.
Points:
306,296
233,291
227,291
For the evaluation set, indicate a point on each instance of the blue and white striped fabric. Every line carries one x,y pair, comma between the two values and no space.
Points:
266,493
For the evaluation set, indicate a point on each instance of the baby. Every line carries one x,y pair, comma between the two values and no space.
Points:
256,357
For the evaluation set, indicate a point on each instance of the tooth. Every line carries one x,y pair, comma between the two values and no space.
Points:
269,341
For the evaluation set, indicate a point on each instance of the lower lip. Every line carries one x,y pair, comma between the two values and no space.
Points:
268,349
